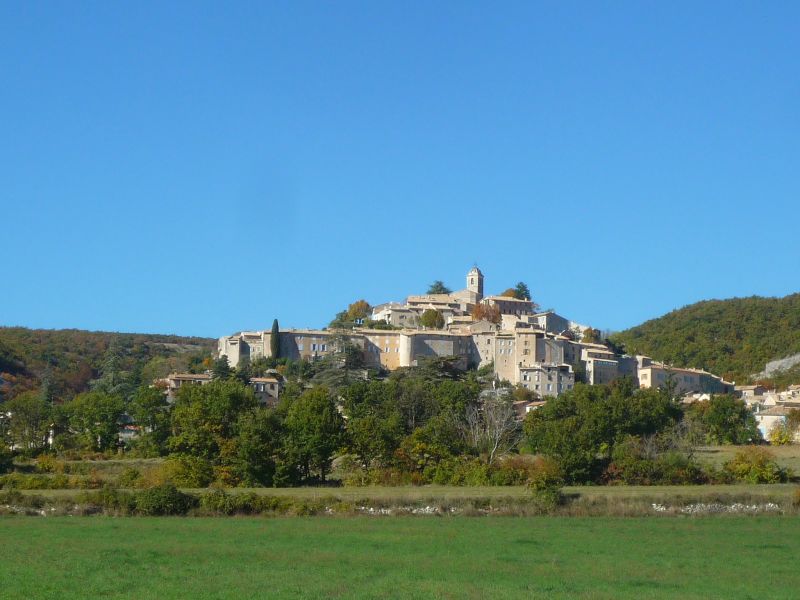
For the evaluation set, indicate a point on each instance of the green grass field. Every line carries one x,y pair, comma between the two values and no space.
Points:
405,557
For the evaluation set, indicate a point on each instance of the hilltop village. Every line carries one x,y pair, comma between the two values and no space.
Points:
542,352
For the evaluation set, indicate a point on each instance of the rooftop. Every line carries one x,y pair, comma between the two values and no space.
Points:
190,376
506,298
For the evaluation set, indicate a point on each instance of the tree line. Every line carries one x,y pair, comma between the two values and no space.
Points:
428,424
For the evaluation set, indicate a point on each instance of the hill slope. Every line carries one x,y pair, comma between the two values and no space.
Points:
734,338
65,361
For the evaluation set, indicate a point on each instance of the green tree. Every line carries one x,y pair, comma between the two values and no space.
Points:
30,421
522,292
257,441
432,319
727,420
315,431
275,340
204,418
114,380
244,371
374,424
580,428
341,366
438,287
94,418
373,438
221,368
150,410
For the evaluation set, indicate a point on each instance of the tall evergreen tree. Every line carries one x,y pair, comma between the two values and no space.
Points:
275,340
221,368
522,292
438,287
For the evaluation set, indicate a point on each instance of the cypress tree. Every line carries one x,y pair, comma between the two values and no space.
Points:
275,340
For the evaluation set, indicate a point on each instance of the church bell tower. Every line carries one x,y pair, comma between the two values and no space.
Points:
475,281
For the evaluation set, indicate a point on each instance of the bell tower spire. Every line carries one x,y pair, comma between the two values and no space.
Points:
475,281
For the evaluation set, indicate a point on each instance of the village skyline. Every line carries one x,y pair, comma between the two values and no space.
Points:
195,171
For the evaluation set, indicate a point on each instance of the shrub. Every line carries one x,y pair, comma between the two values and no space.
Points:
675,468
637,462
164,499
189,471
226,476
351,471
545,483
513,470
181,470
129,477
391,477
248,503
781,435
755,464
92,481
23,481
458,471
109,500
47,463
218,502
16,498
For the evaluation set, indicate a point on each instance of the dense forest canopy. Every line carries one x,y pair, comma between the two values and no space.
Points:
66,362
734,338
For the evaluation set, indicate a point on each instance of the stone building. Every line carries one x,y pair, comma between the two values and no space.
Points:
653,374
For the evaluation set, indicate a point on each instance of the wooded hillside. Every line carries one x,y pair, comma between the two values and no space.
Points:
66,361
734,338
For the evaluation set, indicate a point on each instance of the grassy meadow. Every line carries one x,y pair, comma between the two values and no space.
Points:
787,456
404,557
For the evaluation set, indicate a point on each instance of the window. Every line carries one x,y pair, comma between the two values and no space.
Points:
549,387
300,347
313,347
324,347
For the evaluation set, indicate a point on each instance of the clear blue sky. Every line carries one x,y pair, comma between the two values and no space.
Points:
200,168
